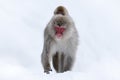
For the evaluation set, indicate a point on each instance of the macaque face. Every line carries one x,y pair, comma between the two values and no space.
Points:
60,25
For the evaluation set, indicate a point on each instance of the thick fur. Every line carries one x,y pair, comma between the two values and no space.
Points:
61,51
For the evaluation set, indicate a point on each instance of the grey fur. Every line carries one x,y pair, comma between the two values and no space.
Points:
67,45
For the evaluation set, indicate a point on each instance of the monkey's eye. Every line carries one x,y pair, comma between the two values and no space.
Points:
54,22
60,23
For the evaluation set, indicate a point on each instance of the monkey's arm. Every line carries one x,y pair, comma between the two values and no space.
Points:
45,54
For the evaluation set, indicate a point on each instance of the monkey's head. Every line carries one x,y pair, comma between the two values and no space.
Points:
61,10
61,23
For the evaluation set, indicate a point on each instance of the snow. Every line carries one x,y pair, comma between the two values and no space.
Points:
21,39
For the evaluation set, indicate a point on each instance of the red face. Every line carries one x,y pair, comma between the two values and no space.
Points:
59,31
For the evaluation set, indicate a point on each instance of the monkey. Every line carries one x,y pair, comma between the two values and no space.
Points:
60,42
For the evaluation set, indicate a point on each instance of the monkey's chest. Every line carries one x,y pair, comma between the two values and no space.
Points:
61,47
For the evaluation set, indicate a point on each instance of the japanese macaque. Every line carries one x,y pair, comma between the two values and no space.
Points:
60,42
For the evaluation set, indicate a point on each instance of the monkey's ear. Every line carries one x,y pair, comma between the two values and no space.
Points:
61,10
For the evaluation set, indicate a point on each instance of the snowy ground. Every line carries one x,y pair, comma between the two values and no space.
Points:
21,39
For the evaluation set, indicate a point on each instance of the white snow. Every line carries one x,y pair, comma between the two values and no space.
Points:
21,39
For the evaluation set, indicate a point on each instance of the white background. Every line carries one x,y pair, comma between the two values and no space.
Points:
22,23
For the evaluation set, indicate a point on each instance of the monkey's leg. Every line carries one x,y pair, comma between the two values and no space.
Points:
62,62
68,63
58,61
46,63
55,61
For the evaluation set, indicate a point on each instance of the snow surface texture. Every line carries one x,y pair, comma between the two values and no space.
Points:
21,39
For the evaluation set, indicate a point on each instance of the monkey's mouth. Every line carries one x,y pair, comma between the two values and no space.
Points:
59,31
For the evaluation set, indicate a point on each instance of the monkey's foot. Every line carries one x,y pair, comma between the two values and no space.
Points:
47,71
